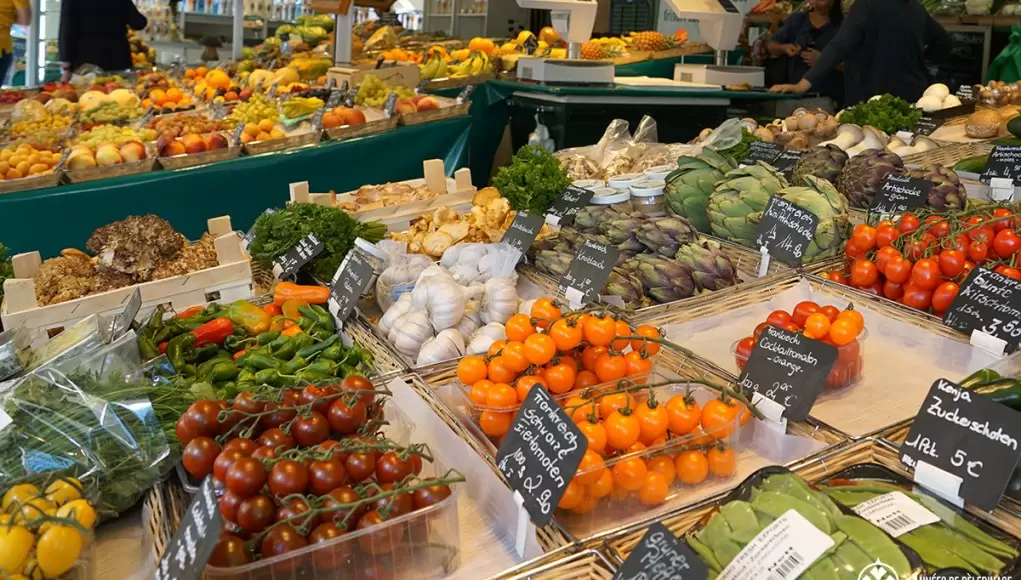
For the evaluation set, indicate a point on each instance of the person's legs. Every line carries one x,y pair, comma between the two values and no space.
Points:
5,64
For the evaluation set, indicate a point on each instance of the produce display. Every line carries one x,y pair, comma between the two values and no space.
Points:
801,130
342,116
185,124
83,156
373,92
258,108
115,135
533,179
432,234
936,98
25,161
886,113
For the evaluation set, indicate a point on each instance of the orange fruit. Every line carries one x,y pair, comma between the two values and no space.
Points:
13,174
174,95
158,97
201,71
218,79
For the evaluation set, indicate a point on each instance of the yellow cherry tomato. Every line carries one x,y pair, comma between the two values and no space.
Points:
79,510
15,545
20,493
34,508
58,549
64,490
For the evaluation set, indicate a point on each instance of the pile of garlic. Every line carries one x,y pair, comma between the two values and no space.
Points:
937,97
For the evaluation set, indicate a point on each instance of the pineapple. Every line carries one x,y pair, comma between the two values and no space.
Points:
600,48
649,40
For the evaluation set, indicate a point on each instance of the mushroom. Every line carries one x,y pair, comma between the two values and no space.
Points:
895,144
750,124
873,139
923,143
790,123
799,112
848,135
807,122
799,141
764,134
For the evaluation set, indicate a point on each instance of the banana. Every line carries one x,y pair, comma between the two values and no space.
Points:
441,70
300,106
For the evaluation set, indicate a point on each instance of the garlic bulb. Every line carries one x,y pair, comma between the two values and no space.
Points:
493,329
526,306
471,321
397,310
447,345
410,332
499,300
442,298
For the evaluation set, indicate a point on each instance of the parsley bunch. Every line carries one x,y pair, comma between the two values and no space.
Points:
533,180
887,113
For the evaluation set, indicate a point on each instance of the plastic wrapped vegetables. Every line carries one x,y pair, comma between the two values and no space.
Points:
89,416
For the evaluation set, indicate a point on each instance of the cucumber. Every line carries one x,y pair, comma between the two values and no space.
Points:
1014,126
976,164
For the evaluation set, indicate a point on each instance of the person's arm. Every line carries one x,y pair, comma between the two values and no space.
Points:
846,41
938,42
135,19
780,44
22,12
68,37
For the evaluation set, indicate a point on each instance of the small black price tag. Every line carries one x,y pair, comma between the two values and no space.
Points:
788,368
927,125
659,554
522,231
540,454
246,240
189,550
786,230
317,119
567,205
218,111
989,303
302,253
965,92
762,151
349,98
1004,161
390,106
588,272
272,91
348,283
236,137
334,99
331,83
380,61
786,160
531,44
900,193
969,436
465,93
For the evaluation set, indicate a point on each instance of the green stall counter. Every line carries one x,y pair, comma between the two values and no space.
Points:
50,220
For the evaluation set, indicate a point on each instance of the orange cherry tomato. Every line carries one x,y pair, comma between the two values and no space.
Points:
519,327
567,359
622,429
495,423
596,434
471,369
629,474
590,355
636,447
718,418
539,349
610,403
664,466
585,379
479,391
500,372
600,331
581,409
638,366
683,414
622,329
842,331
654,489
692,467
496,347
610,367
560,377
566,334
620,494
603,487
855,317
722,462
545,312
588,504
574,493
590,469
653,421
817,326
524,385
514,356
650,332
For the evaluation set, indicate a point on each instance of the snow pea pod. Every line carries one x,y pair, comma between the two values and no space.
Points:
776,504
875,543
794,486
937,535
704,552
718,536
935,557
854,558
961,525
823,569
742,521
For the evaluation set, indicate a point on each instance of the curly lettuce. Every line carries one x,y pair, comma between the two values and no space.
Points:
533,180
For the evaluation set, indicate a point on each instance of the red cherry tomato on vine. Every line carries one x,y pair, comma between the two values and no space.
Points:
908,223
951,263
838,276
916,297
914,250
892,290
1008,272
864,273
831,312
925,274
744,347
982,234
1006,243
885,235
883,256
778,318
762,326
1001,212
939,228
864,237
978,252
898,269
852,251
975,220
961,242
943,295
802,311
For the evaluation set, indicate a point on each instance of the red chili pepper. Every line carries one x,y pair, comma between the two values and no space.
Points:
238,354
190,312
163,347
213,332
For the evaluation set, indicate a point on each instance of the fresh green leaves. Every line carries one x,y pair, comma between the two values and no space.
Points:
278,232
887,113
533,180
739,152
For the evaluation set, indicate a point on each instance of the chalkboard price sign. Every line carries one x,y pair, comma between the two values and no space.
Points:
660,555
567,205
522,231
971,437
900,193
1004,161
588,272
989,303
540,454
348,283
786,230
786,160
193,542
788,368
762,151
927,125
302,253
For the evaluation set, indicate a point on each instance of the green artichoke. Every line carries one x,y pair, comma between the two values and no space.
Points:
947,191
553,262
826,162
663,279
864,173
822,199
622,232
625,285
710,267
665,235
742,193
688,187
590,219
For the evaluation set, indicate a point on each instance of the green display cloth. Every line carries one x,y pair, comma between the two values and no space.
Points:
49,220
623,92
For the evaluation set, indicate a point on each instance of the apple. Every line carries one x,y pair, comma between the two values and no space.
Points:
427,102
43,97
133,151
215,141
107,154
245,94
112,86
193,143
350,116
417,98
99,88
405,106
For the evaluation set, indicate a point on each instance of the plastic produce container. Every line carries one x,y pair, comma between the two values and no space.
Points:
588,183
648,198
618,199
846,372
624,180
660,171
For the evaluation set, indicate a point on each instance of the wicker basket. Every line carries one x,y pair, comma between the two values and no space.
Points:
812,470
161,514
40,181
947,155
367,128
119,170
588,564
195,159
448,108
385,359
301,139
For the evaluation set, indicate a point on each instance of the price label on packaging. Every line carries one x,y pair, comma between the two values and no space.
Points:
783,550
588,272
895,513
970,440
522,231
567,205
189,550
786,230
349,99
218,111
927,125
235,139
988,303
302,253
272,91
786,160
540,454
762,151
390,106
246,240
317,119
1004,161
900,193
659,554
788,368
348,284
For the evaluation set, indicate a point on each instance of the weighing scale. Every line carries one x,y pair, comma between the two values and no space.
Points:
720,25
573,20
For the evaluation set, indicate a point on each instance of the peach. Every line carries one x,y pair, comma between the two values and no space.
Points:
266,125
427,102
216,141
108,154
193,143
133,151
331,120
81,161
246,138
252,129
263,136
173,148
405,106
351,116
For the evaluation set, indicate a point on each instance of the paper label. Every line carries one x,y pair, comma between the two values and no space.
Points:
935,480
988,342
773,412
5,420
895,513
1001,188
782,551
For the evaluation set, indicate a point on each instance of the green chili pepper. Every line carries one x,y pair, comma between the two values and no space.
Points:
364,355
169,330
313,349
305,323
1004,391
321,334
229,390
346,370
189,370
294,365
246,376
154,325
269,377
980,378
146,348
252,350
318,315
225,371
235,343
333,353
202,353
176,350
287,351
324,368
303,340
261,362
267,337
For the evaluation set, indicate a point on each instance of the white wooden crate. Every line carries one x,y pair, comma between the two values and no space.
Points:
227,282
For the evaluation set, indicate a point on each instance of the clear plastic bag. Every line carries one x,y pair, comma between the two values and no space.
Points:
475,263
400,274
646,131
727,135
89,416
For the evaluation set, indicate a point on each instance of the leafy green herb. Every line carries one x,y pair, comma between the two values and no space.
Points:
887,113
739,152
278,232
6,268
533,180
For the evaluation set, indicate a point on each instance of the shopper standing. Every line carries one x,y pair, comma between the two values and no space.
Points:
887,41
95,32
11,12
801,40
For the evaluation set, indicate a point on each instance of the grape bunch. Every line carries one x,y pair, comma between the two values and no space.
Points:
373,92
113,134
256,109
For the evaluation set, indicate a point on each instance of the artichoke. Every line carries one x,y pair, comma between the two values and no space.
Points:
665,235
822,199
553,262
741,194
826,162
622,232
710,267
863,174
947,190
663,279
688,187
590,219
627,286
